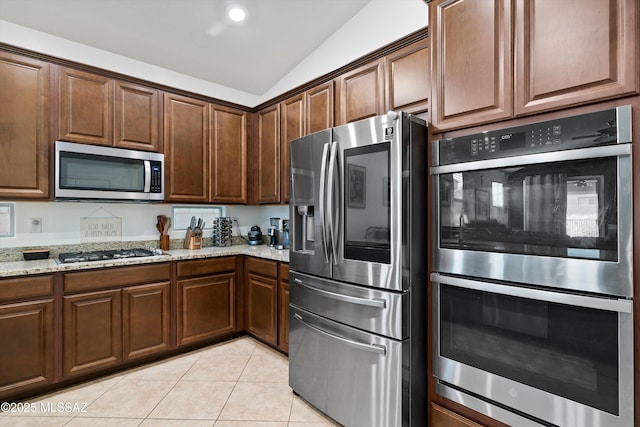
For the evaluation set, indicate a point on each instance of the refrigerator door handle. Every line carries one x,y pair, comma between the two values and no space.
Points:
374,348
333,184
371,302
322,202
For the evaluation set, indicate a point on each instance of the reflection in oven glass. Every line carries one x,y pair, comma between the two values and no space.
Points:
565,350
564,209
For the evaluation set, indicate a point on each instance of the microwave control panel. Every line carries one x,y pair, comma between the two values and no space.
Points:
156,177
586,130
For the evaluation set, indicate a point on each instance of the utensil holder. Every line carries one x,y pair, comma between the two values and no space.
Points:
165,243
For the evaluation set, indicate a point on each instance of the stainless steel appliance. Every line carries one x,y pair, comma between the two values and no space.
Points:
533,295
357,340
95,172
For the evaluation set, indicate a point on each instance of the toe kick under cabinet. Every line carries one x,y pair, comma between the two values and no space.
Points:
114,315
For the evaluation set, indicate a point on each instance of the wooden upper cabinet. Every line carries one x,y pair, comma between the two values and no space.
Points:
267,155
319,108
137,117
360,93
408,85
568,52
186,149
228,150
24,127
472,65
85,107
292,113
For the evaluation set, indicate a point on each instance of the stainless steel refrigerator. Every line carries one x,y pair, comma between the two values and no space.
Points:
358,280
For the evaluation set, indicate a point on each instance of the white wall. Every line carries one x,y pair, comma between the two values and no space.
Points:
61,220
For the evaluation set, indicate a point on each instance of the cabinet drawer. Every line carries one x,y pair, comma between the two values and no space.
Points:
206,266
442,417
283,271
263,267
114,277
25,287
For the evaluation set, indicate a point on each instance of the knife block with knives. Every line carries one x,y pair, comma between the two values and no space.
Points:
193,236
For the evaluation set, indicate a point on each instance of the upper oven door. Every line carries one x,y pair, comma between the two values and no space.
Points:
560,218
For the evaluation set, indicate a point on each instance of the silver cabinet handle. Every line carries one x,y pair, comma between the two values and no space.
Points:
617,305
371,302
374,348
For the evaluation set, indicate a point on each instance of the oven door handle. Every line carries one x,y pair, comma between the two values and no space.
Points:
370,302
532,159
617,305
374,348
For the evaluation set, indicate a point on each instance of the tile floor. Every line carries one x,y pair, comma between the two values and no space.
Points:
239,383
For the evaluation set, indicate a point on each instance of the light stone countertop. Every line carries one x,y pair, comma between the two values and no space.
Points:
23,268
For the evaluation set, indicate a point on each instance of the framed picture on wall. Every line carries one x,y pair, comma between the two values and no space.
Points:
356,197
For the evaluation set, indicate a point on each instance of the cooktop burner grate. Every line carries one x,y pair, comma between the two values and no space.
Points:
69,257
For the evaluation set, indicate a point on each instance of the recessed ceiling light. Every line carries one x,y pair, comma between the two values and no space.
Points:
237,14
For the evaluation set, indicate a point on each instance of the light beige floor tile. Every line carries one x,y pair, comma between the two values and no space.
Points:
149,422
129,399
251,401
302,411
251,424
306,424
104,422
33,421
240,346
172,369
266,366
218,366
194,400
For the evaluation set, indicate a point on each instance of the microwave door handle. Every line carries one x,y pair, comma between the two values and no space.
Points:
333,211
322,202
147,176
617,305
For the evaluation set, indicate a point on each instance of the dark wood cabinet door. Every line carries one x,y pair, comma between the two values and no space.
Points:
228,149
292,112
568,53
85,107
360,93
92,332
408,85
206,307
283,307
261,299
472,69
442,417
27,355
319,108
137,117
146,315
186,143
24,127
266,165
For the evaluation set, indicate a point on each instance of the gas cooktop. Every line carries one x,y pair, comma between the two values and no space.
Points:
70,257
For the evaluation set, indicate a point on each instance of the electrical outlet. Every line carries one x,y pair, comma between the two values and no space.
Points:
36,225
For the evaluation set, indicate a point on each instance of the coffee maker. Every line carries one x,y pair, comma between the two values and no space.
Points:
271,232
282,234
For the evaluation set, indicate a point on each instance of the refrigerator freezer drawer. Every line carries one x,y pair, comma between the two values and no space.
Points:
352,376
381,312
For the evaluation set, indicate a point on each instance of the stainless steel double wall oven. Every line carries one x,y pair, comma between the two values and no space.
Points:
532,301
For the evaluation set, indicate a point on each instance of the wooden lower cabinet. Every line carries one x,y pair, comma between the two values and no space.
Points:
261,317
443,417
26,342
146,316
92,331
283,307
206,299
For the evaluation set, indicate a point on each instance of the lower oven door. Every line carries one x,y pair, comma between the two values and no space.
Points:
353,376
555,358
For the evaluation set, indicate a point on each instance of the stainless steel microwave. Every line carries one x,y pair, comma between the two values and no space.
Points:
106,173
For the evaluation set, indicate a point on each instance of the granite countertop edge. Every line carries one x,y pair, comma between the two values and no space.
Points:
24,268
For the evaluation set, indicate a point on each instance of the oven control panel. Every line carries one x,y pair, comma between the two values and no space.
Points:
586,130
